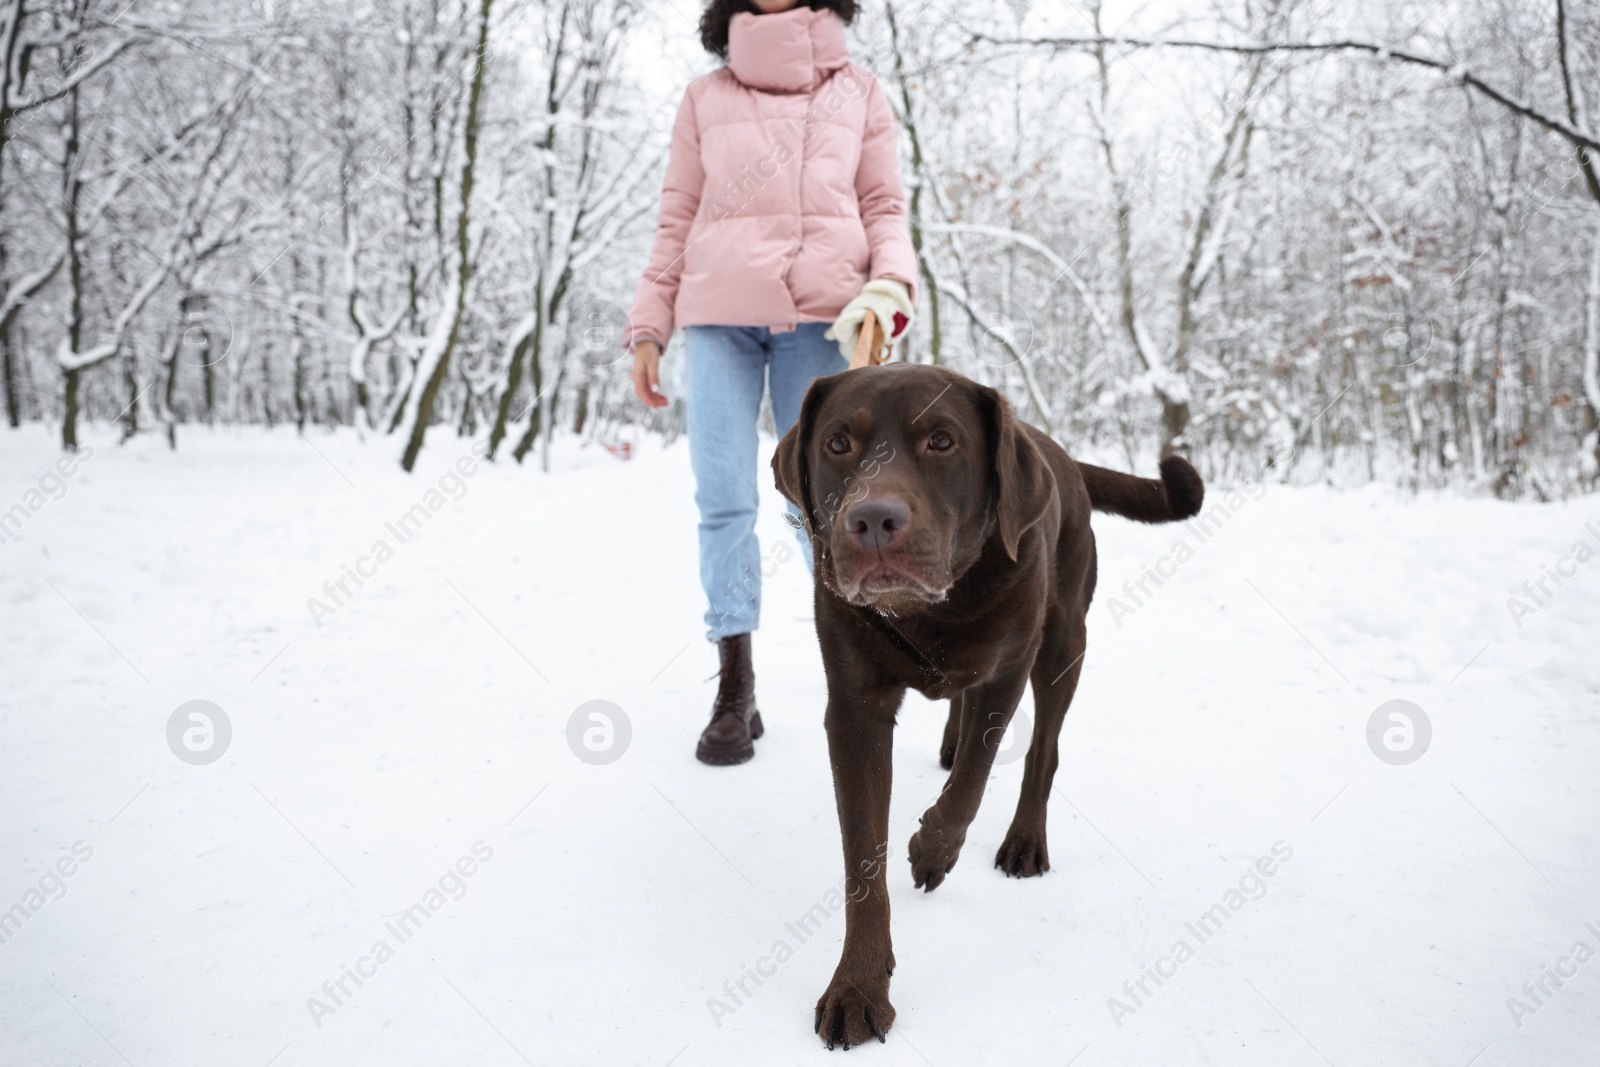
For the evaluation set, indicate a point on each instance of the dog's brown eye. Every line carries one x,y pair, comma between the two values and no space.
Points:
839,444
941,442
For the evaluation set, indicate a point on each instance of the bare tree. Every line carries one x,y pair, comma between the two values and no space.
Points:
434,361
587,194
25,30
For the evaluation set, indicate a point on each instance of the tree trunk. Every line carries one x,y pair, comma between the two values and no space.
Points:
1589,461
297,342
455,308
13,72
580,417
208,376
175,357
70,192
519,355
540,405
8,370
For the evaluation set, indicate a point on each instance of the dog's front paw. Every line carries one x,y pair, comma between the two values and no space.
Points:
933,852
1023,854
854,1009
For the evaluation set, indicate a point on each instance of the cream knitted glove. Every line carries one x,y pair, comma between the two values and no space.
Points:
888,300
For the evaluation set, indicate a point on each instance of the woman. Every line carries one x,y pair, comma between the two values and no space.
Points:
782,213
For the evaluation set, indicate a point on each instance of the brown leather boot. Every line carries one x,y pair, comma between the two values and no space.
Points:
735,722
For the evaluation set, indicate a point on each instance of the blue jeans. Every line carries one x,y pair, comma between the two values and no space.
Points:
728,366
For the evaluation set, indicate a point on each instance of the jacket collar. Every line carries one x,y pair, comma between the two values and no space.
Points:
793,51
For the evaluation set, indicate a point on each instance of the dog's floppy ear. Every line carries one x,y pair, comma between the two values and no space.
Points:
1023,481
791,467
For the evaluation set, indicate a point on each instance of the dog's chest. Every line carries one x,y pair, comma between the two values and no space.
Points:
936,665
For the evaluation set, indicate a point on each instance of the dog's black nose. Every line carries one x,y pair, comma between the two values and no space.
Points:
877,522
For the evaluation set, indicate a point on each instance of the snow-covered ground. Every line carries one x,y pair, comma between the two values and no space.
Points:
613,910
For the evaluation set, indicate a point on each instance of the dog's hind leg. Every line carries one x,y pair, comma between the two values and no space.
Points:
1024,853
952,734
986,709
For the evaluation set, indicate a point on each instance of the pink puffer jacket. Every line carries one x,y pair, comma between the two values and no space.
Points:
783,193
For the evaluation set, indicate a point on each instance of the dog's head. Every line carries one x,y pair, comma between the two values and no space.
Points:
903,473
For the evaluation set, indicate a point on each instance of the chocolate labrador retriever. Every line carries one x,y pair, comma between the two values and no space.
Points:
954,556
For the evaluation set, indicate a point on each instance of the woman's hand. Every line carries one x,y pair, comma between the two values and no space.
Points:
647,374
890,303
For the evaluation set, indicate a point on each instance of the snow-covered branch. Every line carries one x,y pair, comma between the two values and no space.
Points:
1505,98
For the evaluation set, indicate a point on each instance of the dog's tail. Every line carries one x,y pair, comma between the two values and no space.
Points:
1177,495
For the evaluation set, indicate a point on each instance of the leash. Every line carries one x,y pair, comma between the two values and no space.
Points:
869,344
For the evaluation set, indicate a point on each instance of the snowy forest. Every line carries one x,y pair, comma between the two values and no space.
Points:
1334,241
